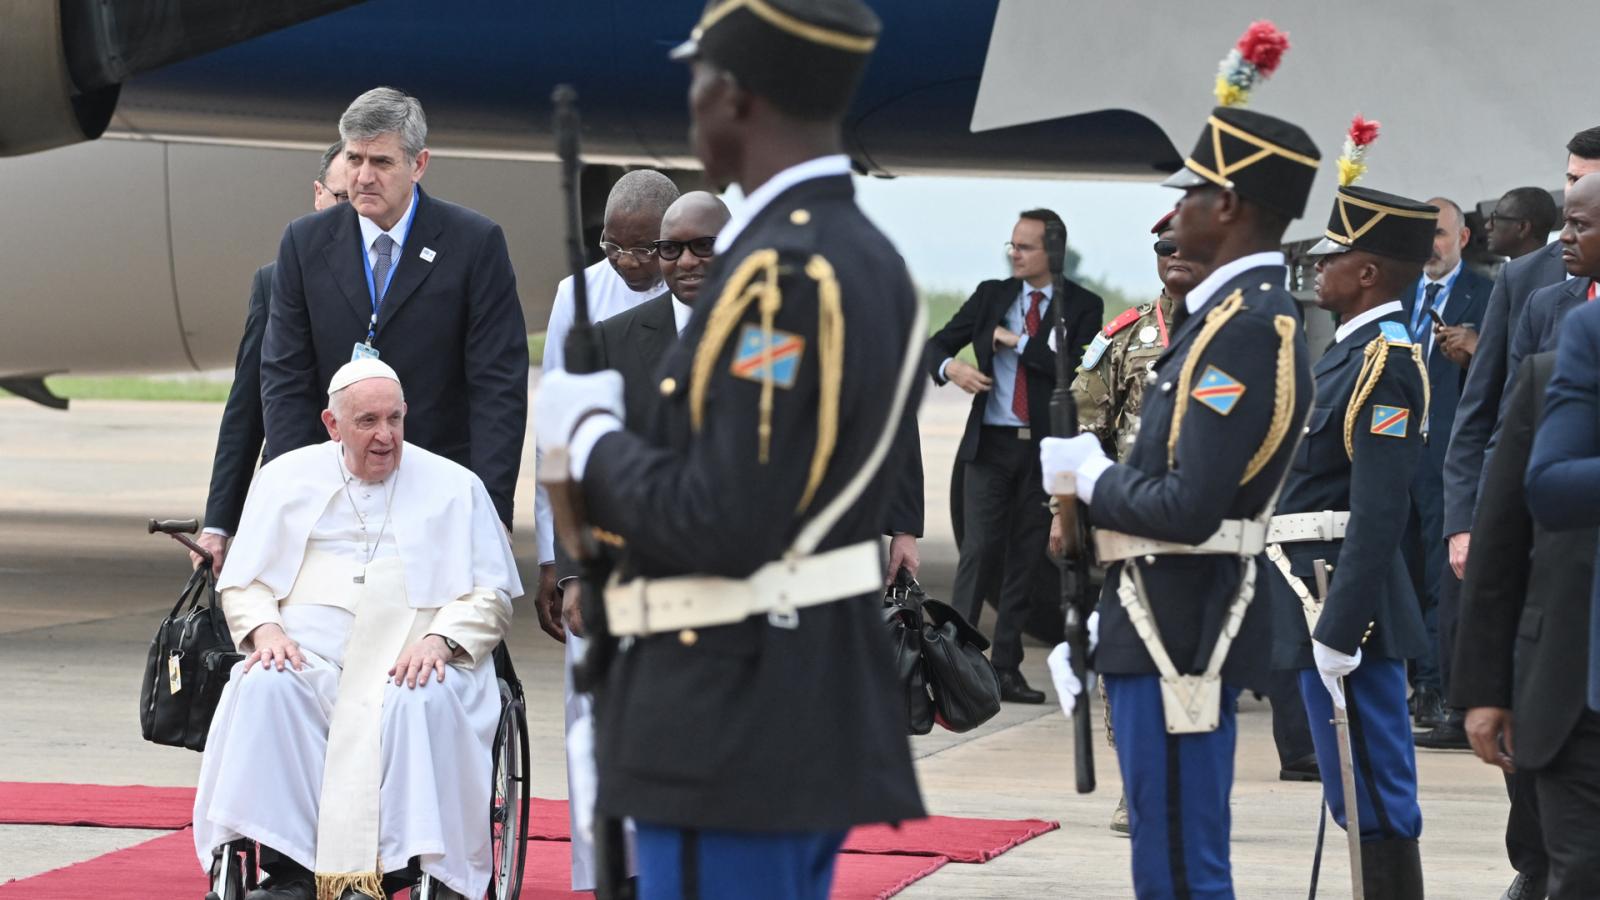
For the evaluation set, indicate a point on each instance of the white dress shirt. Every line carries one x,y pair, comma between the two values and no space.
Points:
681,312
370,232
821,167
1377,312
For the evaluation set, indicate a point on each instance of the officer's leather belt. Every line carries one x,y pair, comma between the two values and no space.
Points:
1236,537
646,606
1328,525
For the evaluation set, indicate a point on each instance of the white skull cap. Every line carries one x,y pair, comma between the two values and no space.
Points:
360,370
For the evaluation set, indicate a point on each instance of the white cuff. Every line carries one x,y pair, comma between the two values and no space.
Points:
1089,473
583,440
222,531
944,379
1022,344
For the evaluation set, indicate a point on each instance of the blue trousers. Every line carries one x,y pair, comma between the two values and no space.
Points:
1177,787
1385,760
683,864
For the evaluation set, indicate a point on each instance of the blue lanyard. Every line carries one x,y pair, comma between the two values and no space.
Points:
1443,296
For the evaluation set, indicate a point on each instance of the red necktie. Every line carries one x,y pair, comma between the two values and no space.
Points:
1030,324
1591,289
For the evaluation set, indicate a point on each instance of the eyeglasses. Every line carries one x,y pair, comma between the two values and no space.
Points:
640,255
1495,218
1012,247
338,196
703,247
1166,247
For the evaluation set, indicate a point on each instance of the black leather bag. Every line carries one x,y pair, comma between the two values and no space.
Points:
940,660
189,663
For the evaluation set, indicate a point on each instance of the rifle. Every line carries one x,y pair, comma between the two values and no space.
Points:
566,498
1063,424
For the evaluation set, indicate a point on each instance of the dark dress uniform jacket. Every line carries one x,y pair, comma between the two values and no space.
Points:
1190,595
1468,297
450,327
1369,583
240,435
751,726
974,325
1524,635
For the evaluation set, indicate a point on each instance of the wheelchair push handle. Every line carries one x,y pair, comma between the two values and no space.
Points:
178,530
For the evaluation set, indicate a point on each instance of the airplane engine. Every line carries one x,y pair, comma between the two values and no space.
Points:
63,63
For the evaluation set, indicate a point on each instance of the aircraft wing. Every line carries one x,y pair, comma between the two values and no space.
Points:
1472,103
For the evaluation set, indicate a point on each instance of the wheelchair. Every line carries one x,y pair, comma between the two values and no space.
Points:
236,865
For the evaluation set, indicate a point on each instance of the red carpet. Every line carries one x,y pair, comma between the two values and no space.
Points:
166,867
963,840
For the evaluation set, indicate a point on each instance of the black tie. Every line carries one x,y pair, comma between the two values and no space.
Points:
1419,327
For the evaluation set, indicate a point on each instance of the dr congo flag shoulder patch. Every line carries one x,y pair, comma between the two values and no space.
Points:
1218,390
1390,421
754,356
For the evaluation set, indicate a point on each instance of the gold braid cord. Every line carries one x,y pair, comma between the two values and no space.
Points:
742,288
1215,319
756,281
1283,398
1373,359
830,356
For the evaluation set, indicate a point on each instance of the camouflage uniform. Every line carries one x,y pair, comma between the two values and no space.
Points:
1109,387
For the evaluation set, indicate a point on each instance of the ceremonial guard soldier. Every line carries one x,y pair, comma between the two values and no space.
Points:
1183,519
1343,511
750,716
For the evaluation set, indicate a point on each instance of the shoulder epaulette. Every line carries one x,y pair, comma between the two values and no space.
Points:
1128,317
1395,333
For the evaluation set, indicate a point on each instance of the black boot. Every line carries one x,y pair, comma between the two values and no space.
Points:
1391,870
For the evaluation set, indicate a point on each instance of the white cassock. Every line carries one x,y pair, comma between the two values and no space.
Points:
354,777
608,296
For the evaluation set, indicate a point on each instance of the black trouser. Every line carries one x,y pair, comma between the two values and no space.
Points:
1524,838
1569,810
1291,729
1005,527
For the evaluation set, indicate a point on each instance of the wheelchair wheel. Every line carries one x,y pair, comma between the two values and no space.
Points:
508,812
233,870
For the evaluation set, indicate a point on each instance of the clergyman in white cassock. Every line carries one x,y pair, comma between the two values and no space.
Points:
354,578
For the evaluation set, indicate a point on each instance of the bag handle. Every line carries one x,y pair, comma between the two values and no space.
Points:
192,590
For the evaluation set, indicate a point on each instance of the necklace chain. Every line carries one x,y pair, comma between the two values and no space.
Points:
371,548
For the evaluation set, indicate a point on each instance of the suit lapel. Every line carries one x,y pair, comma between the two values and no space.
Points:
342,253
412,269
1462,296
658,330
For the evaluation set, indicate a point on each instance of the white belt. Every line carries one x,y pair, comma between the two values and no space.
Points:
647,606
1236,537
1327,525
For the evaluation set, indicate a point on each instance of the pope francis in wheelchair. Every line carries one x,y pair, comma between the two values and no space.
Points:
355,740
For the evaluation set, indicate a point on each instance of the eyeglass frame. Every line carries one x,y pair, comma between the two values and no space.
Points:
711,248
338,196
1013,246
1496,216
649,252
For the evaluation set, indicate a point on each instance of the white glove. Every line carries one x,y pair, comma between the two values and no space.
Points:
564,399
1068,687
1333,665
1094,630
585,782
1064,460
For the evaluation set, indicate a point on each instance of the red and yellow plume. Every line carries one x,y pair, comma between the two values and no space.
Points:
1253,59
1353,162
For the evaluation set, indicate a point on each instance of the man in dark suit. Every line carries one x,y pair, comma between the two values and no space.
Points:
425,283
1450,292
1521,651
1469,448
240,435
1361,447
1006,522
1177,516
746,731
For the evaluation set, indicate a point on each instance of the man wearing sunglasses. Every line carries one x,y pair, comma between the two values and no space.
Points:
241,434
628,276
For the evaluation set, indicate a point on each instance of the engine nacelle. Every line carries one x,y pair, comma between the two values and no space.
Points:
40,106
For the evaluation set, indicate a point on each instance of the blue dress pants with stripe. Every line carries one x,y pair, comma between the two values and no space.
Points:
1385,760
1177,787
688,864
